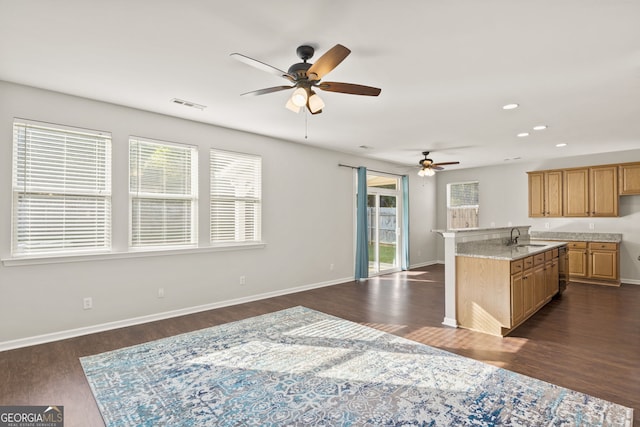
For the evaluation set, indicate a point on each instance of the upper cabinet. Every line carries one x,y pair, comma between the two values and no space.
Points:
582,192
603,191
629,178
576,192
545,194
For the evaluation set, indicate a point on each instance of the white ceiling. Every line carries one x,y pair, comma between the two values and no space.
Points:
445,69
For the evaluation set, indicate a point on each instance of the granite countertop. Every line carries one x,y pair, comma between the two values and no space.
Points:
503,252
576,236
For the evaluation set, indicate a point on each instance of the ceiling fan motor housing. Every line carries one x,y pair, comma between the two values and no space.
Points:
299,70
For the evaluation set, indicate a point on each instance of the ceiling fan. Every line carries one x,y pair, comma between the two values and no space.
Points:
305,77
429,168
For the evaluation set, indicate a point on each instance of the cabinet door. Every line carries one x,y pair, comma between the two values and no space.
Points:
539,286
551,278
517,302
578,262
527,293
629,179
576,192
536,194
603,191
603,263
553,193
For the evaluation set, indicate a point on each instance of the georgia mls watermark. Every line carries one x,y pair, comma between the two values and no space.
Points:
31,416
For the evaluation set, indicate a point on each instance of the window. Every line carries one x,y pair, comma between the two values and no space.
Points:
61,189
462,205
163,191
236,197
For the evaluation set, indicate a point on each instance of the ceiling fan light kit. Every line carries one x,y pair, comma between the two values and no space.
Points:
305,76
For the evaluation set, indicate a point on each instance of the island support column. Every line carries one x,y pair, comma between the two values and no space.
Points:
450,318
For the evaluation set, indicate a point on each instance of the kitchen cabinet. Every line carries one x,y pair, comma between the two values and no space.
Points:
594,262
603,191
577,260
552,275
603,261
576,192
545,194
591,191
629,179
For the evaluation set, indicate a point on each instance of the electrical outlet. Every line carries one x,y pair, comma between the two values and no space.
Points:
87,303
546,225
160,292
243,280
591,226
509,224
493,224
331,267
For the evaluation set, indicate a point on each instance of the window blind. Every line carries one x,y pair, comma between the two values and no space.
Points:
163,192
61,189
236,196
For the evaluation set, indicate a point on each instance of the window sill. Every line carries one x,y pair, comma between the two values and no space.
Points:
134,253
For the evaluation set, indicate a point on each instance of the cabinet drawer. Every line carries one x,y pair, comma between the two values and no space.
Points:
577,245
538,259
548,255
555,253
516,266
603,246
528,262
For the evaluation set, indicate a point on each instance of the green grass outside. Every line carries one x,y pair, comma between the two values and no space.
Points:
387,253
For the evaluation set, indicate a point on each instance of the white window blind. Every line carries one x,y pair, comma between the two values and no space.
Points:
163,190
61,189
236,197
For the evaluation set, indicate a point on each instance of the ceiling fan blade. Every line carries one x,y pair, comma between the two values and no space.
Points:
446,163
327,62
350,88
262,66
434,167
267,90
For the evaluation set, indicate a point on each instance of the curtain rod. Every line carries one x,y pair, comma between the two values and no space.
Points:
372,170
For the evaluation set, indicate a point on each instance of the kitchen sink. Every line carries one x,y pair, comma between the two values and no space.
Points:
530,245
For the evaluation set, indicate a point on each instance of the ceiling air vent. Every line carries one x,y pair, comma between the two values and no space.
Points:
188,103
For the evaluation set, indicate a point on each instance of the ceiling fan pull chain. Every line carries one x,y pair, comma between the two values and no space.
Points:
306,121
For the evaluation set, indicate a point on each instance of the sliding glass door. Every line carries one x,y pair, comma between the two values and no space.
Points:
383,198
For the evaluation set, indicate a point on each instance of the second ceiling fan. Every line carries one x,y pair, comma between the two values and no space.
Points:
429,168
305,77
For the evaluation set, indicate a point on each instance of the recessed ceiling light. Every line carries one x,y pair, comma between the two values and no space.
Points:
510,106
540,127
523,134
562,144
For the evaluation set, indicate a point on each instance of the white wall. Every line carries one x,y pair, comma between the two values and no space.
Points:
504,199
307,225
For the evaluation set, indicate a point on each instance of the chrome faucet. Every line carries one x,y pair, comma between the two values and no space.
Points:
514,240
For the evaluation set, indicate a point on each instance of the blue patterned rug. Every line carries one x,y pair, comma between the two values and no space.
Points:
302,367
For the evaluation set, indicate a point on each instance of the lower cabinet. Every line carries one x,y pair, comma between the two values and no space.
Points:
594,262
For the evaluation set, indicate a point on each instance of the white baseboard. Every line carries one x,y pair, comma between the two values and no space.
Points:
71,333
630,281
450,322
425,264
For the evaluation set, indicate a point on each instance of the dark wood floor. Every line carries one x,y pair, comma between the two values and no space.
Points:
587,340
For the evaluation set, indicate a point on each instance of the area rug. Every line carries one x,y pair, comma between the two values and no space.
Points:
302,367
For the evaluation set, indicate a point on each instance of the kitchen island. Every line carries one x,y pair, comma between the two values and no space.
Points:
496,278
499,287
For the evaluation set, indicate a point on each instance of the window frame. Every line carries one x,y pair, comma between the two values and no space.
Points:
137,195
256,200
468,207
101,192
